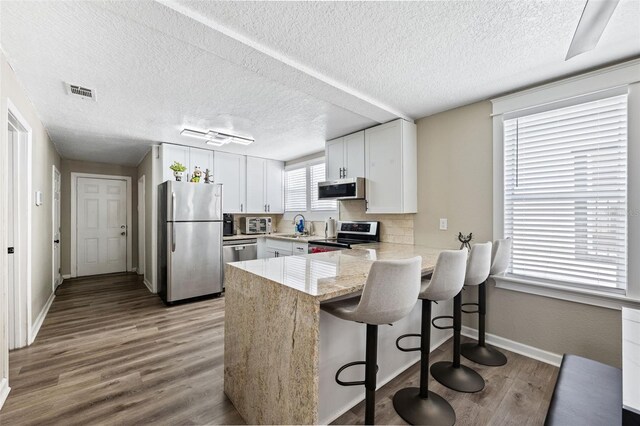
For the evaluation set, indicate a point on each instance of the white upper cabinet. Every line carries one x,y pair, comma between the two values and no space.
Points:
344,157
256,197
188,157
391,168
275,186
265,186
231,171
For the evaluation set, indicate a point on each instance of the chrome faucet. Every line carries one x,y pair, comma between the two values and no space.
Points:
304,224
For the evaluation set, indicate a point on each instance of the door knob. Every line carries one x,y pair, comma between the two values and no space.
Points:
56,241
123,233
123,226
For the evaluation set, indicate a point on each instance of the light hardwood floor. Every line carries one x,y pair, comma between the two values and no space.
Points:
109,352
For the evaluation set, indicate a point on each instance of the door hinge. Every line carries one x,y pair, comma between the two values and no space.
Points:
11,250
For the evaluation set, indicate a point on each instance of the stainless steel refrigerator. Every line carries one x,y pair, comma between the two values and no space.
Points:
189,240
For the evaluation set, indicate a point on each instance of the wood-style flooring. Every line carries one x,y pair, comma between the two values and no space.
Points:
109,352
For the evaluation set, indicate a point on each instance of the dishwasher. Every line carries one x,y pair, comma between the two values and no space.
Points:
238,250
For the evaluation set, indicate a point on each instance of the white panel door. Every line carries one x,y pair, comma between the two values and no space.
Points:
275,186
202,158
57,278
256,200
231,171
101,226
384,168
354,155
334,158
12,283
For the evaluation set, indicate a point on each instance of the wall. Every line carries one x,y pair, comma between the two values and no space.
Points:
455,182
394,228
69,166
145,168
44,156
4,344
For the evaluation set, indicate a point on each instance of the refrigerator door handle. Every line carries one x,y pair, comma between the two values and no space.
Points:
173,237
173,205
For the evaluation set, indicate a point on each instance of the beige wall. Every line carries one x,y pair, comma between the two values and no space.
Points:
69,166
44,156
455,182
145,168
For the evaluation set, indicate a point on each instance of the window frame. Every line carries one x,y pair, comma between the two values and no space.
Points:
309,214
618,77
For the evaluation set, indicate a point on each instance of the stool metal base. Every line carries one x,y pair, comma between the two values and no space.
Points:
461,379
434,410
484,355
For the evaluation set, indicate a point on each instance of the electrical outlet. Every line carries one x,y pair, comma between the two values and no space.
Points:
443,224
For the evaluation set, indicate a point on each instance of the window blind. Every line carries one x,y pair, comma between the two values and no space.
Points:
317,173
565,200
295,190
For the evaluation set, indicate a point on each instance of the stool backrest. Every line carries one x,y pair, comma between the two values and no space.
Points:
448,276
501,256
391,291
479,264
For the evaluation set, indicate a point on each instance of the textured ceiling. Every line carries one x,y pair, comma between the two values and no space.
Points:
288,74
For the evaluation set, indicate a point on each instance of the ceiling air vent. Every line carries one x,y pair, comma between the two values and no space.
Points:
80,91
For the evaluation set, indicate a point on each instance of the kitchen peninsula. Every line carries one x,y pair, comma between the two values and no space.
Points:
282,351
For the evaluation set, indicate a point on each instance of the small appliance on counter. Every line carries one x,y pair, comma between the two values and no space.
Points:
349,234
227,225
330,228
255,225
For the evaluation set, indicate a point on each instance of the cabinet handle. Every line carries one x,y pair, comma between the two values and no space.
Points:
241,206
265,207
340,172
269,207
344,172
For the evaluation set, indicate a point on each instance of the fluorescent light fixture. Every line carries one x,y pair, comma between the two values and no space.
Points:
594,20
215,138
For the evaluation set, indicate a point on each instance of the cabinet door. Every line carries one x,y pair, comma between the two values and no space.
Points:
231,171
383,153
202,158
354,155
334,158
171,153
256,173
275,186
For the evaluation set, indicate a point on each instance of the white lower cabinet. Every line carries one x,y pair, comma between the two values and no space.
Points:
273,247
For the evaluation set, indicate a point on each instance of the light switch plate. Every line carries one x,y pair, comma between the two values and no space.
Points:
443,224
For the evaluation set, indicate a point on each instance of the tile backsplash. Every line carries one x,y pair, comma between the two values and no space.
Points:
394,228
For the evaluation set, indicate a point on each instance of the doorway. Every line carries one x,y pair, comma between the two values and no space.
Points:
141,226
18,228
55,203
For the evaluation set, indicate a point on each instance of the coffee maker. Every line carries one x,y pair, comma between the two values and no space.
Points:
227,227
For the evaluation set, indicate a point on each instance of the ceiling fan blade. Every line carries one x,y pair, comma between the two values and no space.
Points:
594,19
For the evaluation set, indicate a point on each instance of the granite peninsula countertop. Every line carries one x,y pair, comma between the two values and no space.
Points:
333,274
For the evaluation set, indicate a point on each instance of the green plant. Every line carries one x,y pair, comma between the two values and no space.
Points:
177,167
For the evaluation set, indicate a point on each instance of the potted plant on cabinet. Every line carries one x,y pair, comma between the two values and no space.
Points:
178,170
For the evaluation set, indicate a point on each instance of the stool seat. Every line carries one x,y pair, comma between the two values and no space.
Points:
344,309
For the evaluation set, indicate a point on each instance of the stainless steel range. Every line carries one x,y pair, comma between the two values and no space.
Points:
349,233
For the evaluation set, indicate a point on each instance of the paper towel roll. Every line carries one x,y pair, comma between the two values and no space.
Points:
330,228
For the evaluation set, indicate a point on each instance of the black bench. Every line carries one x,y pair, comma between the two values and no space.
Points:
587,393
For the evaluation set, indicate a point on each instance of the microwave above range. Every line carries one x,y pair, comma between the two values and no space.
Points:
341,189
255,225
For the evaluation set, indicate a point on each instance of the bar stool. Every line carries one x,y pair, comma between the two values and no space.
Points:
452,374
420,406
389,294
479,352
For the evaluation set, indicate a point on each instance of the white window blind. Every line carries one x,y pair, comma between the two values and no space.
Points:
295,190
317,173
565,201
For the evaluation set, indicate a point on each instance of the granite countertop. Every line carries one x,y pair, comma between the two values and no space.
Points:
337,273
277,236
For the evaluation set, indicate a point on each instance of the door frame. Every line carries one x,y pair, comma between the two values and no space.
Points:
55,276
74,211
142,265
22,215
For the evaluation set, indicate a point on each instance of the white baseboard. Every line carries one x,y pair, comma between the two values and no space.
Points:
4,390
517,347
356,401
134,269
66,276
148,284
35,328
